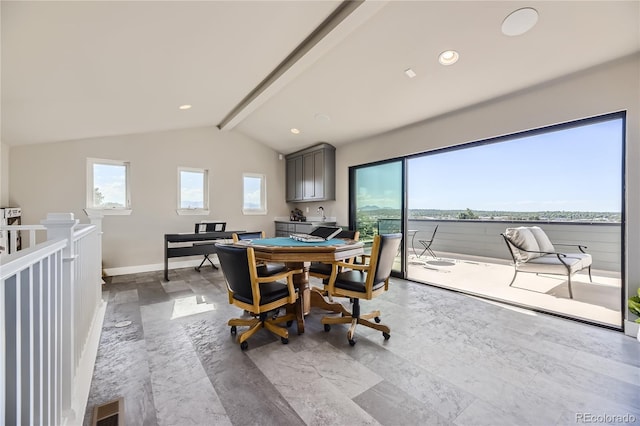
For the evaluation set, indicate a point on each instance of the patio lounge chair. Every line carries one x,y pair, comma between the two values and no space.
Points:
533,252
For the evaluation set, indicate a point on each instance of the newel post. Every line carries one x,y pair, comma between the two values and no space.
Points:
61,226
95,218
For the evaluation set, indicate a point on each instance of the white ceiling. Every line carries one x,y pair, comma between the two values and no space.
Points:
75,70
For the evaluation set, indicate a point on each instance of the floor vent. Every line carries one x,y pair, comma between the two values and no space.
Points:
109,414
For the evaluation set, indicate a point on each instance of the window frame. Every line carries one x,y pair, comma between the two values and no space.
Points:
90,190
205,210
262,210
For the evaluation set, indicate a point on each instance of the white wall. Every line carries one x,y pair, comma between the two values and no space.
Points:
52,178
604,89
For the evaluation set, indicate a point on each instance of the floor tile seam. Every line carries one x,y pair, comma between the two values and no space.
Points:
592,394
506,414
431,409
428,373
180,386
524,388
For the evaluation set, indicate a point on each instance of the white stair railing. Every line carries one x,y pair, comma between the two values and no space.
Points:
51,314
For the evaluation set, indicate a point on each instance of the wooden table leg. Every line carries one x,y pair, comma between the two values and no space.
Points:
301,282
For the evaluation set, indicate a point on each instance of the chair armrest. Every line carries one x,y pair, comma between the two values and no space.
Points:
355,266
279,276
579,246
293,295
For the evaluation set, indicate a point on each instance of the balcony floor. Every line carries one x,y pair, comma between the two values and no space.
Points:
597,301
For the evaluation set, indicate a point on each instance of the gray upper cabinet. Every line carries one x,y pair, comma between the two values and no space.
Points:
311,174
294,178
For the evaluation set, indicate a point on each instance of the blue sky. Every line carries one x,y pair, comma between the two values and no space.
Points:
576,169
110,180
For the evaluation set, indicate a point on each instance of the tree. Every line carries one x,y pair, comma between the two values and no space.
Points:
98,198
468,214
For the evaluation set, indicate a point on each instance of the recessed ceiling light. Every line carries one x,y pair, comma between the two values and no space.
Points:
519,21
322,117
185,106
410,73
295,131
448,57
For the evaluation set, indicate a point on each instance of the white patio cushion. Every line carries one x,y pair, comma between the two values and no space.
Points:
541,238
525,239
550,264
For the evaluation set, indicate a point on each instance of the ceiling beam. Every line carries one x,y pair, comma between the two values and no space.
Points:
334,28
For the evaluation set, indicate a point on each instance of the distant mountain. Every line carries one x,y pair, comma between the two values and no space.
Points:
368,208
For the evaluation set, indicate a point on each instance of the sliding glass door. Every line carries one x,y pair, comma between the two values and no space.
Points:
453,204
377,201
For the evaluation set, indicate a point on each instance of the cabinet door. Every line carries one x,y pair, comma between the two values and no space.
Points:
294,179
313,175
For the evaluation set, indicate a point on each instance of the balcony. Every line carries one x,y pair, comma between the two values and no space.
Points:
473,258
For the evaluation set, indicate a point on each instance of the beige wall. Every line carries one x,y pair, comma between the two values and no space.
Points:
4,175
604,89
51,178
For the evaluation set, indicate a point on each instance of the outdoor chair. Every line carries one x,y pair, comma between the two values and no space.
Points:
426,244
533,252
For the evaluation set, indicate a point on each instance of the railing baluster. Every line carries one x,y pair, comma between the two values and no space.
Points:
50,309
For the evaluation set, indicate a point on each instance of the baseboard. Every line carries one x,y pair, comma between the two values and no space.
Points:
124,270
84,374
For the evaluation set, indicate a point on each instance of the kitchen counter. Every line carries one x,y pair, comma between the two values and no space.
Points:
285,227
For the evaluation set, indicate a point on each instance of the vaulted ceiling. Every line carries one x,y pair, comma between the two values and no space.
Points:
334,70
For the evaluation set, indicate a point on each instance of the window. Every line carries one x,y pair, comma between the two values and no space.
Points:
108,186
193,191
254,198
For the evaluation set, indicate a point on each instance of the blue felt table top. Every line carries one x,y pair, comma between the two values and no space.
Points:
290,242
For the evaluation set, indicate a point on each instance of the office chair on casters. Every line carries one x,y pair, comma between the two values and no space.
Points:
364,282
426,244
256,295
208,227
323,271
265,269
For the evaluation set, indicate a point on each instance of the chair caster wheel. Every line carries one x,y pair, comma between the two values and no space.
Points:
327,327
352,342
289,323
234,330
244,345
377,319
386,335
284,340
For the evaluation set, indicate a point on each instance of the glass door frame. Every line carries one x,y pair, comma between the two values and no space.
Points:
403,202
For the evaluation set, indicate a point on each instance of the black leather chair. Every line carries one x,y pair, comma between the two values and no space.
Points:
323,270
364,282
257,295
265,269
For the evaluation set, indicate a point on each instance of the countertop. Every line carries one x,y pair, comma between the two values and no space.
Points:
311,220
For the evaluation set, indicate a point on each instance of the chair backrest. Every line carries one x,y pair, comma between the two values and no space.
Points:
383,253
527,242
236,268
210,227
433,236
247,236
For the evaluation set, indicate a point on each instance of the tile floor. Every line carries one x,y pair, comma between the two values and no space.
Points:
451,360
